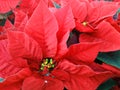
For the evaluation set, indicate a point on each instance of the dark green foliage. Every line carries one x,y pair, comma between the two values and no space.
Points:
112,58
107,85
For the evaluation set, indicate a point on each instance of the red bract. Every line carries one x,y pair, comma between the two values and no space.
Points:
11,68
3,30
64,28
8,5
111,68
18,22
28,6
104,34
114,23
85,52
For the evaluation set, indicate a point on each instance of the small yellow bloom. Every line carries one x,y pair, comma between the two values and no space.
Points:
84,23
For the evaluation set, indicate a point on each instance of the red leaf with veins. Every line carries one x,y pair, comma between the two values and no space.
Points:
66,23
42,27
109,36
53,84
46,83
21,19
2,37
7,5
15,80
101,10
5,59
85,52
83,82
83,77
20,45
11,70
8,25
28,6
32,83
79,9
111,68
16,86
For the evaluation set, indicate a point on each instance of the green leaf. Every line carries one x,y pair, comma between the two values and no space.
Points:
9,13
3,17
1,80
116,14
118,11
56,5
107,85
112,58
2,22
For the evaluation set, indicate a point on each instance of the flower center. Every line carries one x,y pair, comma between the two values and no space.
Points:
48,64
84,23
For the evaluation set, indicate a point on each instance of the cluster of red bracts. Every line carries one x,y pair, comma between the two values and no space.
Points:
54,44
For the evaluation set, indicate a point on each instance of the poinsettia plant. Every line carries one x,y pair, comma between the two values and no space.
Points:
55,45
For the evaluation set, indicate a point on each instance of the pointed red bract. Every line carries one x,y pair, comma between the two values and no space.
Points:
2,37
53,84
101,10
16,86
113,23
20,20
15,81
33,83
79,9
85,82
83,77
21,75
8,25
5,59
28,6
20,45
43,27
7,5
37,83
11,70
112,69
66,24
85,52
109,36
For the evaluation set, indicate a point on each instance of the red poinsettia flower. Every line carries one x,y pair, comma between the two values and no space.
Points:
78,77
40,54
92,20
89,14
